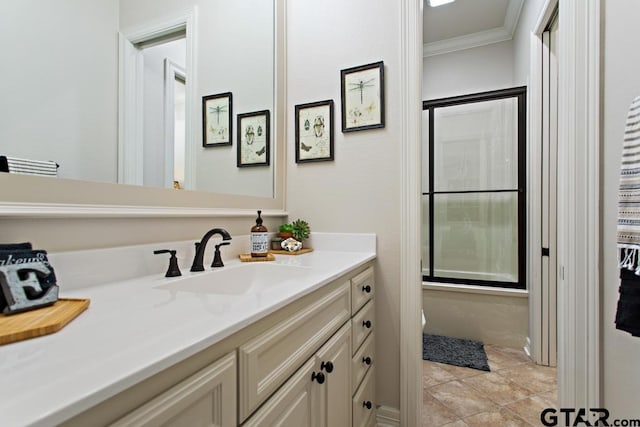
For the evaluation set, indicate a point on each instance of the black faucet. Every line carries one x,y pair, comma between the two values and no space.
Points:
201,246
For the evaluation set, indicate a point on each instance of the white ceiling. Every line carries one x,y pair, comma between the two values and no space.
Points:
468,23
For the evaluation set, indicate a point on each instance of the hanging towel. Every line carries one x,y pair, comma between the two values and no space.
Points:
28,167
628,310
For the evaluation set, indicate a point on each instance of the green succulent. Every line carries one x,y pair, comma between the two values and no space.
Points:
300,229
286,228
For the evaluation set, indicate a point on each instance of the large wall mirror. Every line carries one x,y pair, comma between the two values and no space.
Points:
112,91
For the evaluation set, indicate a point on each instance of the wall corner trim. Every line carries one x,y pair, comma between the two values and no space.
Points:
578,207
410,75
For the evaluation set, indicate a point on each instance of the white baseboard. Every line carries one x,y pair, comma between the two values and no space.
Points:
527,348
388,417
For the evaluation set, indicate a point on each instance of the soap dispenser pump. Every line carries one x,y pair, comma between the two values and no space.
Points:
259,238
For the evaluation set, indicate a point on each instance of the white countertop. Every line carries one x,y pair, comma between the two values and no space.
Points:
133,330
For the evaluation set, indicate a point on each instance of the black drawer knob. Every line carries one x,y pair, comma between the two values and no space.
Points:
327,366
366,324
366,289
318,377
367,404
367,360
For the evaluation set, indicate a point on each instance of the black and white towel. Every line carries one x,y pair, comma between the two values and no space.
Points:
628,310
28,167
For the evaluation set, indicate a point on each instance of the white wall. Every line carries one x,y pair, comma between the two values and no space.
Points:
234,51
56,101
468,71
360,190
620,351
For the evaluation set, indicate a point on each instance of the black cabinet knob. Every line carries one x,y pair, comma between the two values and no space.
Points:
367,404
327,366
366,324
318,377
366,289
367,360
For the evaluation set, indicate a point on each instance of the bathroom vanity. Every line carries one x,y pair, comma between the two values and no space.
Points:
288,342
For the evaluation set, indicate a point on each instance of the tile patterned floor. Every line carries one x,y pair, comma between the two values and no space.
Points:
512,394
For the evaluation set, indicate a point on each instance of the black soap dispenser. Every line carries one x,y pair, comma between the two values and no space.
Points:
259,239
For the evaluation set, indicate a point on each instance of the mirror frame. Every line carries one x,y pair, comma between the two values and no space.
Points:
34,196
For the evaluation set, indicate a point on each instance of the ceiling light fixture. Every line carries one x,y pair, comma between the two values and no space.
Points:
435,3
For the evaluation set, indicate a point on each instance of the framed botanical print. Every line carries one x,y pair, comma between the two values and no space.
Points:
314,132
253,139
363,97
217,111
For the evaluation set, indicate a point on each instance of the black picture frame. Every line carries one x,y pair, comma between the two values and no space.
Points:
314,132
362,91
217,123
254,139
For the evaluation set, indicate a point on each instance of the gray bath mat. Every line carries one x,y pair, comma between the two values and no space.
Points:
454,351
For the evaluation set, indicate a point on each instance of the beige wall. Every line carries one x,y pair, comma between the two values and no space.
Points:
360,190
65,234
621,69
492,319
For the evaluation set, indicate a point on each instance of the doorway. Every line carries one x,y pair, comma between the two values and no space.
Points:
155,104
164,90
578,211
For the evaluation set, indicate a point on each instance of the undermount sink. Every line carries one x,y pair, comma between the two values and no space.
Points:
236,280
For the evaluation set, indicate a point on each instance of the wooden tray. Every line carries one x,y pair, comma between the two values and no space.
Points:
300,252
41,321
249,258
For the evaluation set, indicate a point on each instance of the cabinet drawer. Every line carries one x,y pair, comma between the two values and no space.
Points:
363,404
362,289
207,398
361,362
361,326
266,361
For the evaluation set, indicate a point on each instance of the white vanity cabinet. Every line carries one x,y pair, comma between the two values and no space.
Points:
363,346
317,395
309,363
207,398
267,360
333,360
335,388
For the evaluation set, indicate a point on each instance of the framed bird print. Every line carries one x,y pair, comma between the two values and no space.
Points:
363,97
314,132
253,139
217,111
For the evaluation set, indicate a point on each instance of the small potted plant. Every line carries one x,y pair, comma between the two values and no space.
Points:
286,231
300,229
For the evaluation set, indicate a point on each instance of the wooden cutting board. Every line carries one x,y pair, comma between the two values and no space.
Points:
41,321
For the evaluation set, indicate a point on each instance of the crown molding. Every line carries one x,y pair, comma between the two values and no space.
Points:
481,38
